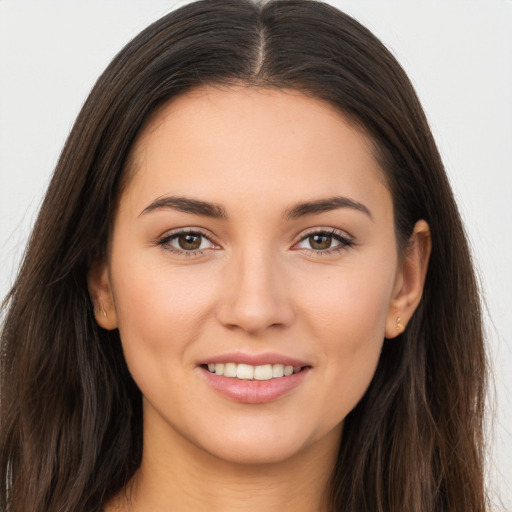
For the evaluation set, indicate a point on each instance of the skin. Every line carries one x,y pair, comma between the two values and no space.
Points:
259,285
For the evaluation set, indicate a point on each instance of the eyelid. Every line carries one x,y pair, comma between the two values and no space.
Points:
164,239
346,240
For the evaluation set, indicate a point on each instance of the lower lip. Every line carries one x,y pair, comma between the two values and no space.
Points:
253,391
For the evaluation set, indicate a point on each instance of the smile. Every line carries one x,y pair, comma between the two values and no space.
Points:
249,372
253,384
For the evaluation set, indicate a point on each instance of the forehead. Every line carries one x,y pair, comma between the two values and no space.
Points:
217,141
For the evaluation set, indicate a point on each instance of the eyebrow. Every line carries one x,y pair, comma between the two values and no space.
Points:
325,205
216,211
187,205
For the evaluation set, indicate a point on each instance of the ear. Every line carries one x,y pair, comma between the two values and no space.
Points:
100,292
410,280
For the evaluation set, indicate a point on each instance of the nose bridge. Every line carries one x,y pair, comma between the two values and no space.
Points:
255,295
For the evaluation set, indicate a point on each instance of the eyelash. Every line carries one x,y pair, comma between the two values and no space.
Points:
344,240
164,242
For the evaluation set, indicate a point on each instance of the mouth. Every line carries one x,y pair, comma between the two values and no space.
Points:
254,379
244,371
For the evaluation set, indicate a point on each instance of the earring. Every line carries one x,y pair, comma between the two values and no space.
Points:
399,326
104,313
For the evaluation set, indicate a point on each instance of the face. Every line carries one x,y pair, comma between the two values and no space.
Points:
255,239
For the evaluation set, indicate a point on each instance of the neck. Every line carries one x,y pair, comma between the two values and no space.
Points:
177,475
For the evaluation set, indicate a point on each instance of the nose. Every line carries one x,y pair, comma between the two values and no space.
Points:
255,294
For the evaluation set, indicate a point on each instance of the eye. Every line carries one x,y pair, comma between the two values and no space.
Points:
325,241
186,242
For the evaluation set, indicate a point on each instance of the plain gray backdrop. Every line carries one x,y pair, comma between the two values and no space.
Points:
458,54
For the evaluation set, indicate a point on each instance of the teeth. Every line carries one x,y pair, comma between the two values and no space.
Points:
263,372
245,371
230,370
249,372
278,370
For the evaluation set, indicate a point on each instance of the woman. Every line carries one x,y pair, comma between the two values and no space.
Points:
248,285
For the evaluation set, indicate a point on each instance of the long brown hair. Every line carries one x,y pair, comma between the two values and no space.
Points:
71,430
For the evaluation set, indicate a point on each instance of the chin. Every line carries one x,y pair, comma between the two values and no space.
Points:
256,452
267,443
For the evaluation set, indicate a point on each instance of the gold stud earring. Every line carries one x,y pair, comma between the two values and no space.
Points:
399,326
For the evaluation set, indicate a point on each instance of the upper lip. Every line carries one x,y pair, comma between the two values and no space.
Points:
254,359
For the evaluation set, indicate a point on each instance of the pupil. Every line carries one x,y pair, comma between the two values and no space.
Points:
189,242
320,241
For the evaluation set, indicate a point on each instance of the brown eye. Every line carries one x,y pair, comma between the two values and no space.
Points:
325,242
189,242
320,242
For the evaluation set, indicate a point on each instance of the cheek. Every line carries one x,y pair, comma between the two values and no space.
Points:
160,312
348,318
352,304
155,306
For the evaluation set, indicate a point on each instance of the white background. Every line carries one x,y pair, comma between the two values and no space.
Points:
457,53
